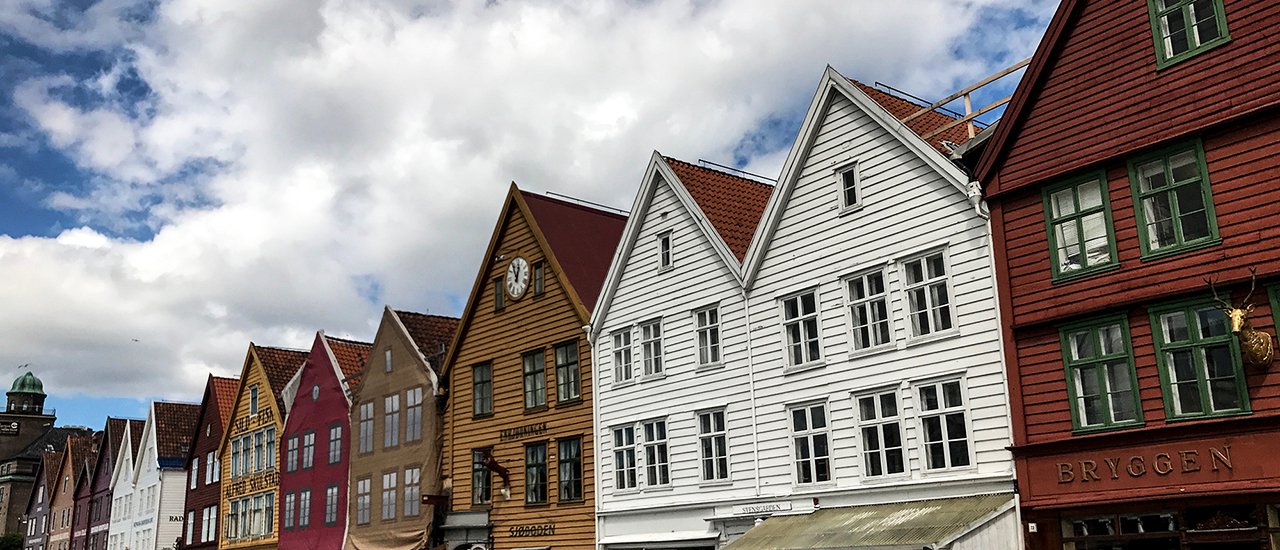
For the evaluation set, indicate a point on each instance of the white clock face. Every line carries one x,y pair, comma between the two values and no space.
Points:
517,277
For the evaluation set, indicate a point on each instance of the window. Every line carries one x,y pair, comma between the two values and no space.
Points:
389,496
657,463
651,348
291,454
714,447
869,310
391,421
194,475
210,469
942,415
271,448
413,414
290,508
235,458
928,297
331,505
366,427
708,330
362,501
253,399
664,250
848,177
1078,213
1184,28
335,444
191,526
800,327
308,450
535,380
482,389
386,356
624,457
1173,204
304,509
882,452
1101,380
539,277
481,479
569,469
810,436
412,491
1199,361
568,384
498,295
535,473
209,528
259,457
622,369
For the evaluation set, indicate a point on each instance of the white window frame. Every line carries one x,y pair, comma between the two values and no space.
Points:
390,492
878,424
808,434
800,320
852,303
657,452
666,251
913,333
709,344
623,358
412,491
943,411
650,344
842,186
413,414
625,445
708,436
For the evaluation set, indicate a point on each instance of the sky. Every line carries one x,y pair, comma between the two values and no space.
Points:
179,178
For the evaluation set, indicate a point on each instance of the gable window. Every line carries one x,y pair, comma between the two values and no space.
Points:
498,295
664,250
535,380
624,457
366,427
869,310
882,453
713,446
235,458
335,444
707,323
810,437
651,347
535,473
622,368
481,479
850,192
331,505
210,470
539,277
389,496
1101,380
946,430
569,466
308,449
1173,204
1078,213
1183,28
481,389
800,328
1199,361
195,475
928,298
386,357
391,421
291,454
412,491
253,399
657,463
568,384
362,501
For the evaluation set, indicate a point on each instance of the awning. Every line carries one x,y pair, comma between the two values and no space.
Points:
900,525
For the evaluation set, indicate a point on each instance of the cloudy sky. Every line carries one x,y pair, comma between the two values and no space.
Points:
179,178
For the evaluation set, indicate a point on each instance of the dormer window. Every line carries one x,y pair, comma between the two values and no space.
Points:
850,186
1184,28
664,250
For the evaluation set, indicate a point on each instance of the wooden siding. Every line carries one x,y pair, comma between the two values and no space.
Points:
1102,95
62,499
317,416
207,438
268,481
524,325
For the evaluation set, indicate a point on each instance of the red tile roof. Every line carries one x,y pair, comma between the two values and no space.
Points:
432,333
582,238
83,451
733,204
351,354
923,124
279,364
224,393
175,425
50,463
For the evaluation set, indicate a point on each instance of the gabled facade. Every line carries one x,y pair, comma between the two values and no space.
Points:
1135,253
518,429
83,480
123,436
669,333
204,470
152,519
248,454
37,516
62,496
313,482
404,361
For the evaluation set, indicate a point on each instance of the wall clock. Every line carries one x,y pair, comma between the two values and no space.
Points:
517,277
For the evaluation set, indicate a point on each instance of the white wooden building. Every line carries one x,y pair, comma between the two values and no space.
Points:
149,494
120,533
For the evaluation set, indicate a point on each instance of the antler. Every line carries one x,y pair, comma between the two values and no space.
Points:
1253,283
1225,304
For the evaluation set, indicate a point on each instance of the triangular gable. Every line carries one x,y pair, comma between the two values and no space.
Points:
122,470
48,461
210,405
251,358
346,358
833,82
427,329
148,443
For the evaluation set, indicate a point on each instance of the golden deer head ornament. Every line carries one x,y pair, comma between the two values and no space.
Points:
1256,347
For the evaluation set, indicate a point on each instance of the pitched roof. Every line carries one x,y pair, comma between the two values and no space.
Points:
351,354
733,204
224,392
82,450
49,463
582,238
431,333
279,364
135,438
932,120
175,424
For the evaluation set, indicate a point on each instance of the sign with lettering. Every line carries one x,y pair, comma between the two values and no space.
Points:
544,530
258,482
10,428
519,432
761,508
252,422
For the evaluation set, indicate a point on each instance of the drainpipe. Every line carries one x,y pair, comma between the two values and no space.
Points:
751,385
595,436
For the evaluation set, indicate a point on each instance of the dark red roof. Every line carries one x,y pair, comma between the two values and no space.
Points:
135,437
733,204
175,424
279,364
224,394
351,354
582,238
923,124
431,333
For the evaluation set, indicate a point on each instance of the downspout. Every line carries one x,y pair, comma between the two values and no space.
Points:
751,389
973,191
595,439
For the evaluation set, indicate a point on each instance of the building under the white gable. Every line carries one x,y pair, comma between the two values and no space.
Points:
149,493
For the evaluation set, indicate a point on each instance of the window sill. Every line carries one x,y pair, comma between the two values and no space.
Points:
847,210
942,335
537,505
716,483
874,350
939,472
658,489
662,270
482,416
709,367
536,410
1175,250
653,377
1177,419
812,365
1163,63
1090,430
574,502
569,402
884,479
1079,274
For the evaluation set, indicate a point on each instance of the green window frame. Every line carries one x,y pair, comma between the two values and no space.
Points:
1102,384
1175,39
1077,215
1273,292
1172,203
1200,367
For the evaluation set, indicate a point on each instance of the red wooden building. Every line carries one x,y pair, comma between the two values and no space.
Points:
1137,160
200,518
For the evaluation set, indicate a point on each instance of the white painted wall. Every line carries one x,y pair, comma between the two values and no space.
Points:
157,495
121,530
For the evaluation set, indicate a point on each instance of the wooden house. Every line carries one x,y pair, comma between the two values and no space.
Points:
38,517
204,471
62,496
156,492
115,526
82,478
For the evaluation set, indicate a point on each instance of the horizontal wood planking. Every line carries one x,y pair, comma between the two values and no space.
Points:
254,375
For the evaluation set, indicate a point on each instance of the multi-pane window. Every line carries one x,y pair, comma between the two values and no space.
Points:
713,445
539,277
657,463
308,449
366,427
331,505
1183,28
869,310
335,444
362,501
271,447
253,399
1172,200
259,457
413,414
707,325
304,508
882,452
622,367
290,454
535,379
498,295
389,496
211,468
1200,363
535,473
569,467
1100,374
946,430
1079,218
194,475
664,250
481,479
651,347
208,524
412,491
800,327
482,389
928,298
391,421
624,457
849,192
191,526
568,383
810,437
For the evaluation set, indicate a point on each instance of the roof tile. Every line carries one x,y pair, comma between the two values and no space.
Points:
921,125
733,204
224,393
582,238
175,425
431,333
351,354
279,364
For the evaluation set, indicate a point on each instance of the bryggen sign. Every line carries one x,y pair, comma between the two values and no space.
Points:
1161,464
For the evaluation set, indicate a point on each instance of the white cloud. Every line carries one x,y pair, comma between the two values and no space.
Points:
356,141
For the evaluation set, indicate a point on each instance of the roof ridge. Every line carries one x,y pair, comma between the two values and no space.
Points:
280,348
436,315
349,340
718,171
572,204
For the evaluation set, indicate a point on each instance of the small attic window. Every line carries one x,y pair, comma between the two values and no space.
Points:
850,182
253,399
387,360
315,392
539,277
664,250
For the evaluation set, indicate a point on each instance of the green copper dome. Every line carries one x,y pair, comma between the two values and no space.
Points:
27,383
